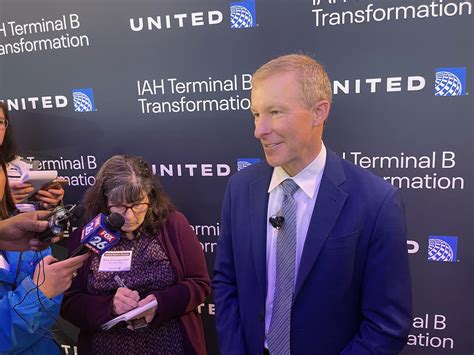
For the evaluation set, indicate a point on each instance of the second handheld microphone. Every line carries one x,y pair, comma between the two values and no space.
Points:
58,221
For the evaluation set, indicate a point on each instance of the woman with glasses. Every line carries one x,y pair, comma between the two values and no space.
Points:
163,261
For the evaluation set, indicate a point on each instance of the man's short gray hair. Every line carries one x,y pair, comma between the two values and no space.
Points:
313,78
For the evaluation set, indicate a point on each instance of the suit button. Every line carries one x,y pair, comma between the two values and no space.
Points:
261,317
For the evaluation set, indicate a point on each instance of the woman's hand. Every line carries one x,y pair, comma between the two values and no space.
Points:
16,232
50,196
20,190
150,314
144,318
124,300
54,277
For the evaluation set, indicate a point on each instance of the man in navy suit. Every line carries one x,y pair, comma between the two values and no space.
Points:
312,256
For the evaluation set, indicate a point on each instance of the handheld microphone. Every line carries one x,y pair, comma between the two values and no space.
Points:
58,221
276,221
100,234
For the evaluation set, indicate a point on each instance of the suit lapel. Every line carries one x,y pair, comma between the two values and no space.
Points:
329,204
258,226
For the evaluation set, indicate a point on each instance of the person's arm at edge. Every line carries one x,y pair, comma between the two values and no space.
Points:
17,233
23,308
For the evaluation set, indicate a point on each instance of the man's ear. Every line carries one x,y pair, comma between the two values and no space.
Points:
320,112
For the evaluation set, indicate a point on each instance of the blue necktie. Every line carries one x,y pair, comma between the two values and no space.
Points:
279,332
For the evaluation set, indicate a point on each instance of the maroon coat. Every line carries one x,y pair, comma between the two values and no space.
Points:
181,300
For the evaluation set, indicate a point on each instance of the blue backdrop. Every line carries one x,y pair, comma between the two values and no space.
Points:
169,80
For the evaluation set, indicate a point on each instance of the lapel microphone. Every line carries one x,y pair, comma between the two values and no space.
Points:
276,221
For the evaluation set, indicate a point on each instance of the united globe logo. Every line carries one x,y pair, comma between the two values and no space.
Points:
439,250
83,100
450,82
447,84
442,248
242,14
240,17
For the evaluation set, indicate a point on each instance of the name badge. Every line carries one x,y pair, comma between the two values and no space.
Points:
4,263
116,261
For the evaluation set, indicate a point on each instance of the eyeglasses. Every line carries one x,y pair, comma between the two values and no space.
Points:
3,123
136,208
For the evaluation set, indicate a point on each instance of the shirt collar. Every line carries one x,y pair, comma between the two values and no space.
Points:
306,179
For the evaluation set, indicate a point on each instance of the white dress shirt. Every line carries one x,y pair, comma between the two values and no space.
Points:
308,180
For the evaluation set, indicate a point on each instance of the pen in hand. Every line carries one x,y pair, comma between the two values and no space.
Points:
134,323
119,281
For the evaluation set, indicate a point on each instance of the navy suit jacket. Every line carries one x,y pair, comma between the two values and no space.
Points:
353,289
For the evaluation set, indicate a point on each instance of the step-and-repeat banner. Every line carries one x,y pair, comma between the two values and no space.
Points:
170,81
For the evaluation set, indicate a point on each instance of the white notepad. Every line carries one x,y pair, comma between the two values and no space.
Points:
129,315
38,178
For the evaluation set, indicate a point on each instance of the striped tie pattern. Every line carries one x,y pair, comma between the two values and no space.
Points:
279,332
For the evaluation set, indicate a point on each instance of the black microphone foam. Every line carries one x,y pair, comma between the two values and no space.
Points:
114,221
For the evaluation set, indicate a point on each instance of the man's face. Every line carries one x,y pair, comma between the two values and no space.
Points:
290,132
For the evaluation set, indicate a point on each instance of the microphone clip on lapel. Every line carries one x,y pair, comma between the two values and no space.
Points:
276,221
